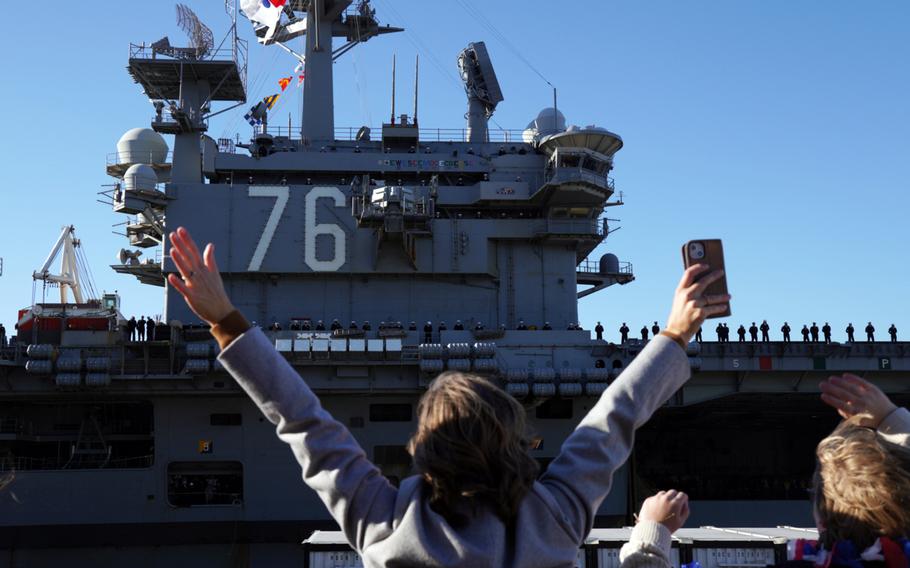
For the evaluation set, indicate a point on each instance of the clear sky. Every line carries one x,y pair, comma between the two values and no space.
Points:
781,127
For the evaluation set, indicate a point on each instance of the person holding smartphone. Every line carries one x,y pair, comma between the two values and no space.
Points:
477,499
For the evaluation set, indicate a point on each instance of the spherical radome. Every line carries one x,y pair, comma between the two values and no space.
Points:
547,123
140,177
141,146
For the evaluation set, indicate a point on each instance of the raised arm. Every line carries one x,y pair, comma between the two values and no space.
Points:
580,476
357,495
853,396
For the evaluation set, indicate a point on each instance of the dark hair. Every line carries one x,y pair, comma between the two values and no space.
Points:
471,447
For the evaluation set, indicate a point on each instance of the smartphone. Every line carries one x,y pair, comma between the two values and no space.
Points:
710,252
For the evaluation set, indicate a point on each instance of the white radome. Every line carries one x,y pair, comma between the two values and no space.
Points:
140,177
544,124
141,146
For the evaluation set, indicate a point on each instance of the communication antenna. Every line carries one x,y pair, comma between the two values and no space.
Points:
416,79
200,34
393,89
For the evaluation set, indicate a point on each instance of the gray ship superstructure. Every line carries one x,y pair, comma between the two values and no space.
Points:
376,258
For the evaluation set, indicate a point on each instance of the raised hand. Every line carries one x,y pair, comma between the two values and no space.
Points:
199,281
852,396
690,304
669,508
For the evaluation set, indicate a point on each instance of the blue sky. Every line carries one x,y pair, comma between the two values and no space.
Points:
781,127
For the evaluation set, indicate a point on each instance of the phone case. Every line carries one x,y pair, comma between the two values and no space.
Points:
714,257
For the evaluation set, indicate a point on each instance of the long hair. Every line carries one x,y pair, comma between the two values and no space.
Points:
861,486
471,447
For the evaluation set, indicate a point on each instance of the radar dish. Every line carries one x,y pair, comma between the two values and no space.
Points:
200,34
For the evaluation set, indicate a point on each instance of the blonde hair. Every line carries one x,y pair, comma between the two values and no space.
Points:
861,486
471,447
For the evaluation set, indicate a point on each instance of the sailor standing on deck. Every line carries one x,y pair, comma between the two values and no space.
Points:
720,332
140,328
892,331
785,329
624,333
655,329
850,338
428,332
765,328
753,332
826,331
599,330
814,331
2,336
150,329
870,333
644,333
131,328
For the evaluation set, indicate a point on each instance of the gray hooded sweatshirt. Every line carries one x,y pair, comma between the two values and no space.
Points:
397,527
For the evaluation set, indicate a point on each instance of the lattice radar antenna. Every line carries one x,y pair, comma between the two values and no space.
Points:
200,34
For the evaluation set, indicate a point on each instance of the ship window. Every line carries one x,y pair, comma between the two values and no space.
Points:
226,419
390,413
555,408
199,484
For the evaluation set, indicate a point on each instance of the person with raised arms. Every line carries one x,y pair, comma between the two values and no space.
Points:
478,498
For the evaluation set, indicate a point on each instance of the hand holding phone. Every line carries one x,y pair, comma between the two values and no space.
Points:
710,252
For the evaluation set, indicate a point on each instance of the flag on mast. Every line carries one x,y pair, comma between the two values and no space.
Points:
270,101
300,79
254,117
284,82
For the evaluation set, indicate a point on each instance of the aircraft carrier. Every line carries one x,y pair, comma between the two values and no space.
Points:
376,258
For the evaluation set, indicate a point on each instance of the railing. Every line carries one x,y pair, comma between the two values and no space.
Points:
596,227
146,51
593,267
133,157
236,51
349,133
